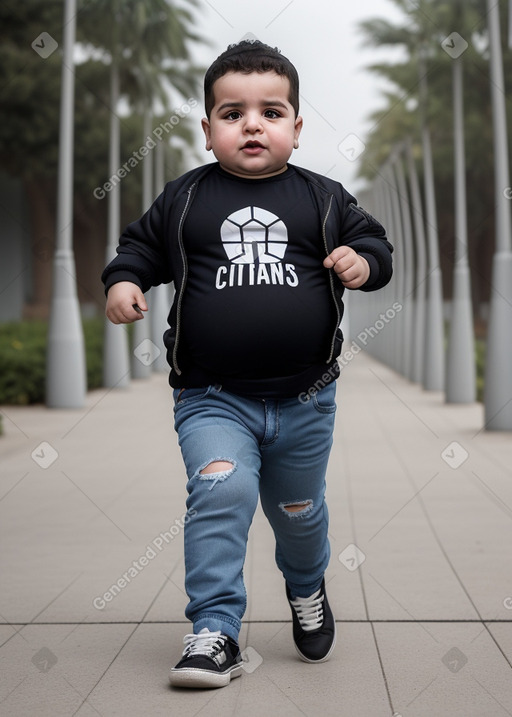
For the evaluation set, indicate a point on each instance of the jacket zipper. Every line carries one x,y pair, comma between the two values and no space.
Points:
331,280
190,192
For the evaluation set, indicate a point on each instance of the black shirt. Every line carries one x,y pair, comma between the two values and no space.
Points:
257,313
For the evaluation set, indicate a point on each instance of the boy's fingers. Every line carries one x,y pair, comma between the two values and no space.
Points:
139,306
350,268
132,313
139,303
342,264
349,274
124,314
115,317
337,256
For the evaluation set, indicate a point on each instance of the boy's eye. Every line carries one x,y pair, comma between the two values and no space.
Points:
271,114
233,115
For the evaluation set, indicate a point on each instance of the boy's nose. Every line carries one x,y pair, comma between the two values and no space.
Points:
252,123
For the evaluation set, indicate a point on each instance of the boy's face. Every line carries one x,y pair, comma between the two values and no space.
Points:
252,128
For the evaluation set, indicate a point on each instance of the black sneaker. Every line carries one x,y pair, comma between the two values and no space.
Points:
314,628
209,659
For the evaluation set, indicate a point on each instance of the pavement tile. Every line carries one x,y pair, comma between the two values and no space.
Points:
50,669
502,633
451,669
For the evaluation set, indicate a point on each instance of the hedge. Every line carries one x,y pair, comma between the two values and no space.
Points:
23,359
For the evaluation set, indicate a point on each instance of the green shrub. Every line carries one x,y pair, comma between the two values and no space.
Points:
23,359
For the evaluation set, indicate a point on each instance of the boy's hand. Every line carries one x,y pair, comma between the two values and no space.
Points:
352,270
121,298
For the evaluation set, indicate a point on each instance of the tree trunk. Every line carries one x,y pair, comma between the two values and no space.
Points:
40,194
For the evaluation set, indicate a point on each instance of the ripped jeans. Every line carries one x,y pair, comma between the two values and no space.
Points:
275,449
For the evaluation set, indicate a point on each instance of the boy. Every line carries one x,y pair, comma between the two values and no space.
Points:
260,252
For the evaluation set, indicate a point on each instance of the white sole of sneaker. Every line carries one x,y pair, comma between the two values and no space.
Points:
196,678
323,659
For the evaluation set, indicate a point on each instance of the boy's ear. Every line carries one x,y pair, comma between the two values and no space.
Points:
297,129
205,124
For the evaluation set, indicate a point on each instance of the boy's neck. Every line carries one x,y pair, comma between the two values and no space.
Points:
254,176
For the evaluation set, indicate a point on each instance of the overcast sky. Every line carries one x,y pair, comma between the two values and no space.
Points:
322,41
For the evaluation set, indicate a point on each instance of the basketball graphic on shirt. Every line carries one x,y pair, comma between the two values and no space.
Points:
253,235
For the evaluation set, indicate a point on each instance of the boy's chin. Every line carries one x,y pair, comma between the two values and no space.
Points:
254,172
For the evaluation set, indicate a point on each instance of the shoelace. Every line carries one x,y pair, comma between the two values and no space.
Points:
309,611
205,643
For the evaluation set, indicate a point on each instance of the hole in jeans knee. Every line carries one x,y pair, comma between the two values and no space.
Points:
300,507
216,467
216,471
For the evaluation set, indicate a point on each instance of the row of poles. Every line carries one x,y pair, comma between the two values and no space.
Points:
413,339
410,337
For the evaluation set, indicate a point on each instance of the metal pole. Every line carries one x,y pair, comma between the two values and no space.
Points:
389,349
460,365
408,268
434,339
498,368
142,329
116,363
420,278
398,239
66,379
382,349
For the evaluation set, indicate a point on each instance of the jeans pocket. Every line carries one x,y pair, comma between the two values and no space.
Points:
324,400
188,395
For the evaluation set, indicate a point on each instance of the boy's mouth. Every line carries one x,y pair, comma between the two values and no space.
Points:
252,146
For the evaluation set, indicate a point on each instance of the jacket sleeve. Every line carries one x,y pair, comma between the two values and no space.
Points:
367,237
141,254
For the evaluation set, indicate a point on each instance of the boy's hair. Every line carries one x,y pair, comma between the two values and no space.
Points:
249,56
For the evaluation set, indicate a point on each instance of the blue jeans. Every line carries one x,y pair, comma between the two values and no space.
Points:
278,450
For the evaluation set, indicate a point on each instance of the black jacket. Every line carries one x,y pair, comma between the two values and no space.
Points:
151,250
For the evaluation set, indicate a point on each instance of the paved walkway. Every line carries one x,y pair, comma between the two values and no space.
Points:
420,577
